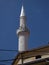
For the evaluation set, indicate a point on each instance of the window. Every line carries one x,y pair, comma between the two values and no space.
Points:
38,56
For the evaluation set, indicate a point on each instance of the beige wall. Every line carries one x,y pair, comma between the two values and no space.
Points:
44,52
33,59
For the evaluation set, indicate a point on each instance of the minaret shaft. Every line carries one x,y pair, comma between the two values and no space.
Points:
23,21
23,42
23,33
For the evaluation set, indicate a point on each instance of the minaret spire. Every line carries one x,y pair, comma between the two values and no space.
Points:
22,11
22,18
22,32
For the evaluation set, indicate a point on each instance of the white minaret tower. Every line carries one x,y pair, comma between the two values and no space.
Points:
23,33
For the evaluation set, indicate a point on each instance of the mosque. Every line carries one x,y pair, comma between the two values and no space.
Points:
37,56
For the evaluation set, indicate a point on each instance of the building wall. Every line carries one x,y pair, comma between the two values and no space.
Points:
31,56
32,59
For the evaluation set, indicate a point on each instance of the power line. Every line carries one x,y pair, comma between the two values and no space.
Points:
8,50
16,50
17,58
6,60
2,64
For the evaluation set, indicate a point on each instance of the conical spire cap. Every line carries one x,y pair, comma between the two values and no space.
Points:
22,12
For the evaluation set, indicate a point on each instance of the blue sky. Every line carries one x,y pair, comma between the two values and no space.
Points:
37,13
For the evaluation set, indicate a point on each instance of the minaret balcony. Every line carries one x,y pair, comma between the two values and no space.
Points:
23,30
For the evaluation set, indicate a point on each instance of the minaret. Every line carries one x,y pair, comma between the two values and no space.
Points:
23,33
